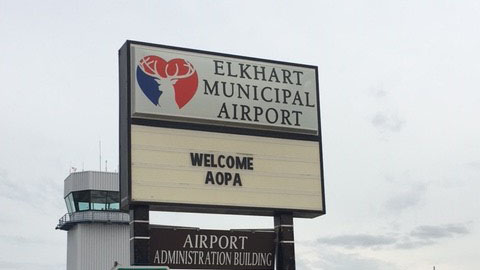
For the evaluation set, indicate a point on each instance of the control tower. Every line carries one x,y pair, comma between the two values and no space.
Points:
97,231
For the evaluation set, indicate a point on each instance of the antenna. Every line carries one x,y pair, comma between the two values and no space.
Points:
100,154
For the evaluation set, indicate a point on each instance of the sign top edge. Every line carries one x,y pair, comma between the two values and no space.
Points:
134,42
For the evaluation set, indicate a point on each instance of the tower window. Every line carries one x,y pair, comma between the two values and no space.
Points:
87,200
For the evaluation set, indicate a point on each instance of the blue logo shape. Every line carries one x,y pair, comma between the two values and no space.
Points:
148,85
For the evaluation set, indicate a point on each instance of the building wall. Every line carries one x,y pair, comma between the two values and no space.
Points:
73,244
96,246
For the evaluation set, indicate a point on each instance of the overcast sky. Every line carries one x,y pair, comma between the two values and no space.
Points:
399,91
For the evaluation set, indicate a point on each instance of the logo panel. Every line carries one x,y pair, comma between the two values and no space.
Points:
155,76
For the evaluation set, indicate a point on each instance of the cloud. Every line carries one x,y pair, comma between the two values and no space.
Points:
358,240
36,196
384,116
28,265
429,235
436,232
378,92
10,189
17,239
418,237
473,165
409,243
328,258
387,121
406,199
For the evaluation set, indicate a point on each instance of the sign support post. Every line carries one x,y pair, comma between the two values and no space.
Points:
139,234
285,258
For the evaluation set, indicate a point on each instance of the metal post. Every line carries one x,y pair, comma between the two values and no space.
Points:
139,234
285,254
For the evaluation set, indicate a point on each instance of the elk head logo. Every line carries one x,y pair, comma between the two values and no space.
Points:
156,76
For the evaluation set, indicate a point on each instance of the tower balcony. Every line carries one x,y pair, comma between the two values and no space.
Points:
71,219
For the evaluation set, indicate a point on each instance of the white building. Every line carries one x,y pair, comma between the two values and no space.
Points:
97,231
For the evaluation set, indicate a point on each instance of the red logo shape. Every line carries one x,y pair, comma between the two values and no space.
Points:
176,75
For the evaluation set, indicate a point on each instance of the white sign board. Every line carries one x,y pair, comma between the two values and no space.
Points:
201,168
213,89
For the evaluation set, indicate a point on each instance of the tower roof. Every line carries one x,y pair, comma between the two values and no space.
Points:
91,180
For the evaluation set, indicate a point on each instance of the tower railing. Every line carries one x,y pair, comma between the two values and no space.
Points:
69,219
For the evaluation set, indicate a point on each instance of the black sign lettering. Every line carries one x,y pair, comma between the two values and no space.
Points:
196,158
243,71
222,161
211,90
218,66
237,180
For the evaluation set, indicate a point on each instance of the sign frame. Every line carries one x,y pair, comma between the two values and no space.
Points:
126,121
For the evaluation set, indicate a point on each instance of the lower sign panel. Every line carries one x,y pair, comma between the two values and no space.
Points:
212,249
224,172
